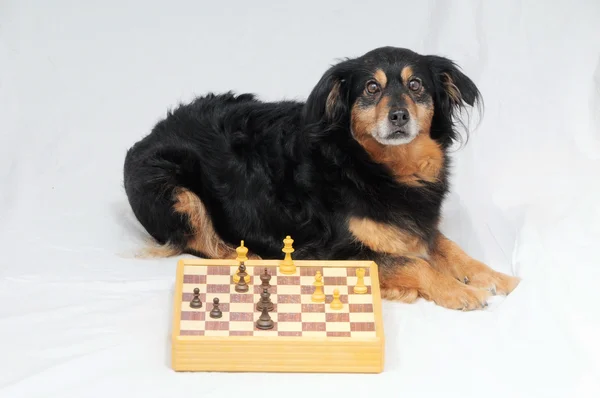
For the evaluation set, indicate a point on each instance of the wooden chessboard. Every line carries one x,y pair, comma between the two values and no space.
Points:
306,336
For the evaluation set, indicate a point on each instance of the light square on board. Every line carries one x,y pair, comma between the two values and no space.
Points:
288,289
194,270
337,327
241,307
313,317
362,317
191,325
289,326
360,299
241,326
289,308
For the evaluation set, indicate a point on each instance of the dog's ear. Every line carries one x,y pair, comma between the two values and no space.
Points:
327,101
453,89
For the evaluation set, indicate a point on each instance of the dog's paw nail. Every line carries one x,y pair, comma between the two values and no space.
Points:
493,289
466,280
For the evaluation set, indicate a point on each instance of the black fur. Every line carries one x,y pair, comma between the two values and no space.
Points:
267,170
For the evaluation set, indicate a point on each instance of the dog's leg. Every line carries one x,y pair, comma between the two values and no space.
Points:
448,257
204,239
406,278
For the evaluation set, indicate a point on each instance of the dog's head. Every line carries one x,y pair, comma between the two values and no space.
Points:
391,95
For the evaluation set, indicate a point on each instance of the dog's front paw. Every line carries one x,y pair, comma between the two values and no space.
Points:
495,282
458,296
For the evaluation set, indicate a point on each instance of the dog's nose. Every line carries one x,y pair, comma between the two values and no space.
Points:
399,117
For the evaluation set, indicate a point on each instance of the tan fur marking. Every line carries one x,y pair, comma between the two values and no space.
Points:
406,73
204,238
386,238
451,89
364,120
400,294
449,258
403,280
421,159
422,111
152,250
332,98
381,78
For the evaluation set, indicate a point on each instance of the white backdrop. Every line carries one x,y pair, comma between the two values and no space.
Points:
82,81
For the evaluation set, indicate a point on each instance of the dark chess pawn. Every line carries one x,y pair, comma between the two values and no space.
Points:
264,321
196,303
265,301
216,311
242,286
265,278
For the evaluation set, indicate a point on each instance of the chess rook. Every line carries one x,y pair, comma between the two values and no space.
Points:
360,287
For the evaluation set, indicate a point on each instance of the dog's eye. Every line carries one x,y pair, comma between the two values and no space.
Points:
372,87
414,84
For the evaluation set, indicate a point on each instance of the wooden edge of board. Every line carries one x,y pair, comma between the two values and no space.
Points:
177,305
377,306
257,339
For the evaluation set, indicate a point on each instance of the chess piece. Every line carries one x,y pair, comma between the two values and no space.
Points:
287,266
264,321
242,286
196,303
265,301
360,287
336,303
242,257
318,296
216,311
265,278
236,276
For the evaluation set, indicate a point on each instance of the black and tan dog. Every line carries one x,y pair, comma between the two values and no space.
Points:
358,171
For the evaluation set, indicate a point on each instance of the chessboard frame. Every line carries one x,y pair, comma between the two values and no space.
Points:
282,353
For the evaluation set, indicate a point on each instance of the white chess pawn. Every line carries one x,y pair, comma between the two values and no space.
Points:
318,296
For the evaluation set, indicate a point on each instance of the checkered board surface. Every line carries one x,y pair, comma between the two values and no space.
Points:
294,312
